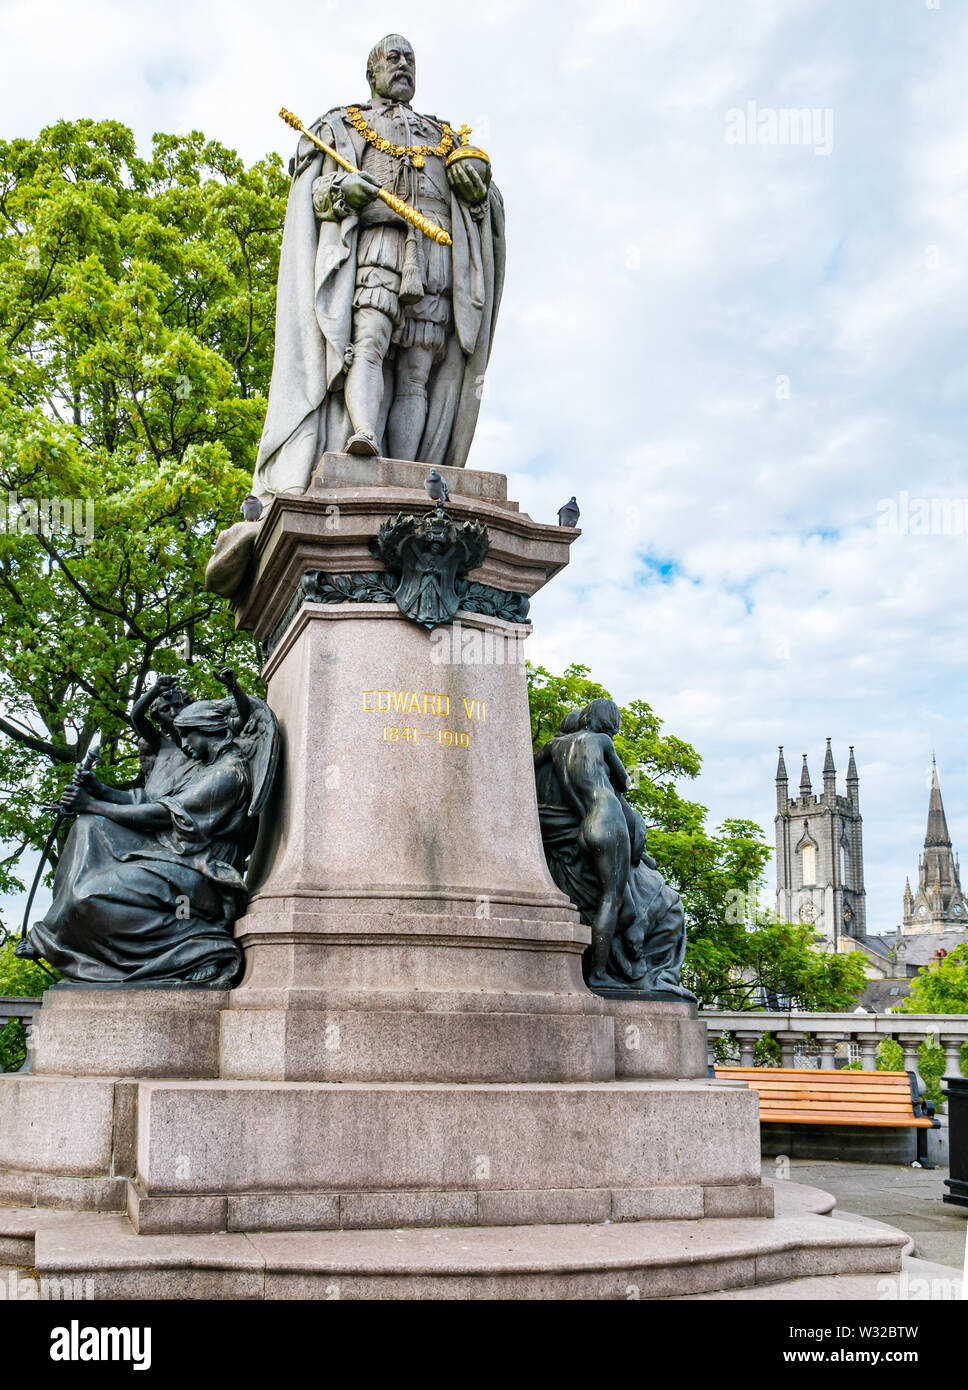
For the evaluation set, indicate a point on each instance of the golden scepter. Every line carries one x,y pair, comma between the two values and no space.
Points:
402,209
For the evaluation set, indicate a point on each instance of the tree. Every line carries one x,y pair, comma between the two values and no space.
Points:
136,328
736,950
17,978
940,988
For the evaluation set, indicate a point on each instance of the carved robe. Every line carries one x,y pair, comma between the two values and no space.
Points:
153,907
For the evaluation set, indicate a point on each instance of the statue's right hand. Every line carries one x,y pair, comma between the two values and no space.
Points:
75,800
358,191
88,781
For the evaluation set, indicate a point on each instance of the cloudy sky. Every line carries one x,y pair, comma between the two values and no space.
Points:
739,339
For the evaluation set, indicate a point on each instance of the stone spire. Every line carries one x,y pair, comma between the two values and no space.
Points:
938,904
937,836
805,787
829,775
781,772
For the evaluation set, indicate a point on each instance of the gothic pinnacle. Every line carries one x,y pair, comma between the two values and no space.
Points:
805,787
828,763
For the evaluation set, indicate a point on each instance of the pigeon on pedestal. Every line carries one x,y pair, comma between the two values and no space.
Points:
251,507
436,487
568,514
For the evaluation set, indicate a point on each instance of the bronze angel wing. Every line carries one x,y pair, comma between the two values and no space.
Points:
259,742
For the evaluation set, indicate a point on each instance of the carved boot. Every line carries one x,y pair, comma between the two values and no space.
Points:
362,442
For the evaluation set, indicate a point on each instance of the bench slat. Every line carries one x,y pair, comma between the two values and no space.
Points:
824,1078
820,1118
870,1097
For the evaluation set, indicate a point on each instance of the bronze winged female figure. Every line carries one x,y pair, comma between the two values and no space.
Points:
150,882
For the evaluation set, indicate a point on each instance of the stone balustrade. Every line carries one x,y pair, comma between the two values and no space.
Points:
867,1031
22,1007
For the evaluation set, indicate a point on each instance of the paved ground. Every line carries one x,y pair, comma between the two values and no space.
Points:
908,1198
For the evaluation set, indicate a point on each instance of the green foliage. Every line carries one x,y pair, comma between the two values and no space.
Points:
725,1051
136,327
13,1045
736,949
729,963
21,978
931,1065
890,1056
941,988
766,1051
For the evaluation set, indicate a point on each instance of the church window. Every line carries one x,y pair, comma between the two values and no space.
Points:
844,864
808,857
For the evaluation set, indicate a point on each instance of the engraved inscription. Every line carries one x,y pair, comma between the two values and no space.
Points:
423,702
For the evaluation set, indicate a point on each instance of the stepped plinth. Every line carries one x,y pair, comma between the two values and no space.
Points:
412,1044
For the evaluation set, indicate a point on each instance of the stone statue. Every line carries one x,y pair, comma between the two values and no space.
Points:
595,844
150,883
382,334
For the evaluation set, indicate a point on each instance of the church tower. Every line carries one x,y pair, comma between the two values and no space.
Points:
939,904
820,852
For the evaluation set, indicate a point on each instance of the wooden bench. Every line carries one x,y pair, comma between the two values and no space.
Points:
807,1096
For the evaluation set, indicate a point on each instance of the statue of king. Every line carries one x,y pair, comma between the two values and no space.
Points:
382,334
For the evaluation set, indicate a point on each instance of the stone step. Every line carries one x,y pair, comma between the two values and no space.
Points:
627,1260
796,1198
68,1192
842,1215
918,1281
18,1227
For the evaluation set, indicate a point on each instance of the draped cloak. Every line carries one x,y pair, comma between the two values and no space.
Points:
149,907
306,415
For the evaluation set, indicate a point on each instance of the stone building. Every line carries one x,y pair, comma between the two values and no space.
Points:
820,879
939,904
820,853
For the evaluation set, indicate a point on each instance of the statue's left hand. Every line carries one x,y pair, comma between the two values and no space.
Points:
469,185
